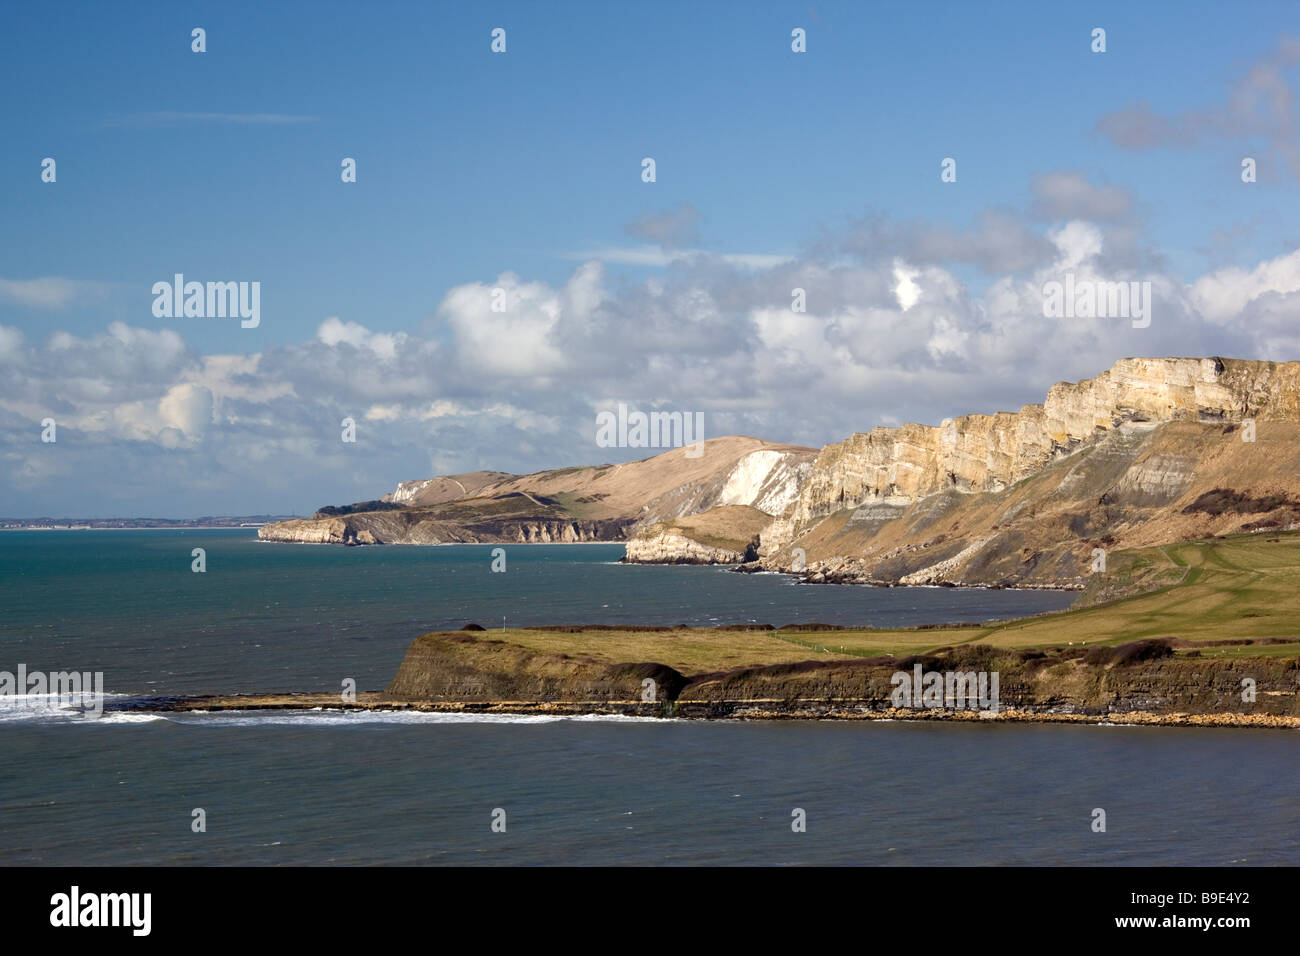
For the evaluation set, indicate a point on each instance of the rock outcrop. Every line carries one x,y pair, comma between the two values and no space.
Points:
461,666
419,527
672,547
1141,677
725,535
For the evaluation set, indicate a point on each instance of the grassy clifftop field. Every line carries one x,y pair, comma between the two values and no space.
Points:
1201,594
1179,629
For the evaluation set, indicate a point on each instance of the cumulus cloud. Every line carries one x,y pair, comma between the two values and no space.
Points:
179,417
508,329
385,346
510,372
1227,294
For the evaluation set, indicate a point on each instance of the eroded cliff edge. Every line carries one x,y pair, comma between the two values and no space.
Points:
1150,451
1144,678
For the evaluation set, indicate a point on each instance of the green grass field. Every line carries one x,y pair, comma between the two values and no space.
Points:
1245,587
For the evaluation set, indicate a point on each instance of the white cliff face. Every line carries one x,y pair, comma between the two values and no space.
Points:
767,480
408,490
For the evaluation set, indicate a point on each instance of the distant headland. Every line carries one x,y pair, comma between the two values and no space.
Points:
90,524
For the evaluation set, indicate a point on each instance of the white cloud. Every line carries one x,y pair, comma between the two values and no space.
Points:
384,345
907,292
661,257
1224,295
891,334
11,343
179,417
384,413
516,342
1077,242
49,292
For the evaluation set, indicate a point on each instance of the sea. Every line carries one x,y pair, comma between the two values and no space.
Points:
325,788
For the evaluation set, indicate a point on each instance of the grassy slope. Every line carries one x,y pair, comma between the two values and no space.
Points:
1243,587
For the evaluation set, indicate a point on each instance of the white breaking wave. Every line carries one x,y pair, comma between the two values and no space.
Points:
53,708
128,717
49,708
337,718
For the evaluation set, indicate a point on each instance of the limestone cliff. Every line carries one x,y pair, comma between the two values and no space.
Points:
1027,498
992,452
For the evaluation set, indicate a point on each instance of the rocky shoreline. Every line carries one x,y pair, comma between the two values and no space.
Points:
863,580
758,674
754,709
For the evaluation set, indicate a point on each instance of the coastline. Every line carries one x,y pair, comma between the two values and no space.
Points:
188,527
441,544
1206,663
765,709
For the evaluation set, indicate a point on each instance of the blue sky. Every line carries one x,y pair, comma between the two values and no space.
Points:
225,166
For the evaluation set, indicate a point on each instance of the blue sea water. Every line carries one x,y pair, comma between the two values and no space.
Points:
275,617
323,788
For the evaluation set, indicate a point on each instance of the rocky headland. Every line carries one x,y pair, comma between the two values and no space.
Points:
1143,682
592,503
